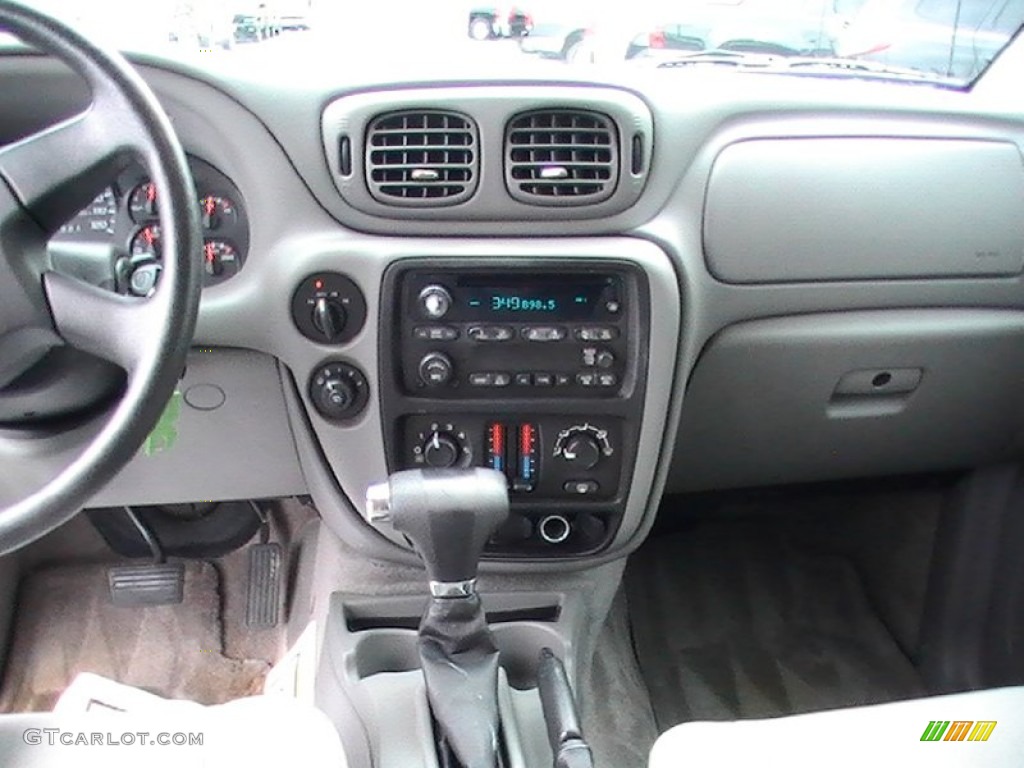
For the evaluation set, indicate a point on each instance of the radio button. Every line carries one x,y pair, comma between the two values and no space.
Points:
581,487
597,333
490,333
544,333
436,369
435,333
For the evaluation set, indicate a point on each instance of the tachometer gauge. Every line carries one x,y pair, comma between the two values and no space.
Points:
142,203
95,221
220,261
146,242
218,212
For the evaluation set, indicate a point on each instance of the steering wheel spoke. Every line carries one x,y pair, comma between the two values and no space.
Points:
55,172
108,325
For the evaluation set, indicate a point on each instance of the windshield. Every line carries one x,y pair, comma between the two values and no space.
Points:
947,41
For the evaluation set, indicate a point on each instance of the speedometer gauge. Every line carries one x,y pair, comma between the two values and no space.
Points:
95,221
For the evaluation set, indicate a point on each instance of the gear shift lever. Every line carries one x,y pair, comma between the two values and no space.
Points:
449,515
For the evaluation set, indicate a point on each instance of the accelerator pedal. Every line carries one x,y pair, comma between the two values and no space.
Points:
263,593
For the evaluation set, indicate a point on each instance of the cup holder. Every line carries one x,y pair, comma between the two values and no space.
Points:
519,644
386,650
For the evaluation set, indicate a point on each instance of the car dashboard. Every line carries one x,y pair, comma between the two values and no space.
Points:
666,280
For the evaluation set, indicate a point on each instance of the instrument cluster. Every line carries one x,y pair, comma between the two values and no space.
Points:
122,224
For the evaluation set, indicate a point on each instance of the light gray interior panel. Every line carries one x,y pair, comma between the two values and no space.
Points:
229,440
854,394
785,210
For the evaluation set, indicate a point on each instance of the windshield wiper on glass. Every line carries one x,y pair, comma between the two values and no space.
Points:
721,57
854,68
799,65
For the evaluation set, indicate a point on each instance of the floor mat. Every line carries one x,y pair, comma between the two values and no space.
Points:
737,621
67,624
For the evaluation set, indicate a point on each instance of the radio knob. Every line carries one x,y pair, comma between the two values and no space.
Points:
441,451
581,450
435,301
436,369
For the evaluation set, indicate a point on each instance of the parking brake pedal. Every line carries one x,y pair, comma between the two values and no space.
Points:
263,594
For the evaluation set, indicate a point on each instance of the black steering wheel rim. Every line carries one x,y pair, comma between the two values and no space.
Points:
149,337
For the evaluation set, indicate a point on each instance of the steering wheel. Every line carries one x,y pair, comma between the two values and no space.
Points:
45,179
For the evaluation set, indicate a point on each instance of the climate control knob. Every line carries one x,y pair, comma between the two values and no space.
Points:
441,451
583,445
435,301
582,451
436,369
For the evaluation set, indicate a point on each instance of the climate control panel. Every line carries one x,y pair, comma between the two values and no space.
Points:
544,457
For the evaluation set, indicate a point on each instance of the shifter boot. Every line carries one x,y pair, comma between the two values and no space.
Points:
460,664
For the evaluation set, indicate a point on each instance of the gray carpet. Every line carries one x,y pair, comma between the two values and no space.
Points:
67,624
617,717
742,620
200,650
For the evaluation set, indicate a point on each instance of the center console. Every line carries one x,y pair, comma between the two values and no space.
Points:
535,370
551,371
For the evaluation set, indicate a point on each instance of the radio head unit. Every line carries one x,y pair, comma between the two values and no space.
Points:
513,333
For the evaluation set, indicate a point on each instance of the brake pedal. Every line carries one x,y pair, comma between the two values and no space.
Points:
156,584
263,592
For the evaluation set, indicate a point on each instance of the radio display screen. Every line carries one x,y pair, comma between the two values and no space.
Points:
536,298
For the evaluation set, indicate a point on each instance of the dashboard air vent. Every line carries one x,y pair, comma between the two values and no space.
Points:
421,158
561,157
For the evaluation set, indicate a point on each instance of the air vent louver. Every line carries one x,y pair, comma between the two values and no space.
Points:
561,157
421,158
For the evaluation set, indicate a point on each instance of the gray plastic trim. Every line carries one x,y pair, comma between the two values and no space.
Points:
491,109
860,208
240,449
778,401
